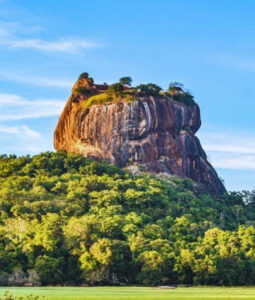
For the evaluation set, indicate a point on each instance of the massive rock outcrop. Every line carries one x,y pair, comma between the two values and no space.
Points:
154,132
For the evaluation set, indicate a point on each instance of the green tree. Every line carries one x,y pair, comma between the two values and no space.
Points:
69,219
177,93
84,75
149,89
115,89
125,80
50,269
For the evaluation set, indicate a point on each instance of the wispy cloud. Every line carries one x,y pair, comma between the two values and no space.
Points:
15,107
233,161
237,62
72,45
22,131
229,150
64,45
22,139
37,81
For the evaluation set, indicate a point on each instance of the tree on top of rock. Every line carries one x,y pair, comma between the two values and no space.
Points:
84,75
149,89
177,93
125,80
115,89
175,88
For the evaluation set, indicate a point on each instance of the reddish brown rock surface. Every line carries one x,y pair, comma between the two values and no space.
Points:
156,133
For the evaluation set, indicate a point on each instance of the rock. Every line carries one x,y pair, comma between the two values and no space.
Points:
156,133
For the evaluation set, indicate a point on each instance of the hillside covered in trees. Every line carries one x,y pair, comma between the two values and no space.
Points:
66,219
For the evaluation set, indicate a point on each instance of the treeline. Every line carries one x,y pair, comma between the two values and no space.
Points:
66,219
124,90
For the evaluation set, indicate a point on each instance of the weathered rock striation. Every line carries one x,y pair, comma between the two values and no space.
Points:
154,132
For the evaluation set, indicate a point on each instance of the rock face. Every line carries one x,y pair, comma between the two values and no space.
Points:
156,133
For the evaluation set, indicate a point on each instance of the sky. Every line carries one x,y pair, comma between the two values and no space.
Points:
209,46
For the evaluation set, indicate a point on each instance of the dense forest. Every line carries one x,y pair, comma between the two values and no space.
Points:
66,219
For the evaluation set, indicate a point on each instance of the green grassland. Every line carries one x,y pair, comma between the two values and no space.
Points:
106,98
137,293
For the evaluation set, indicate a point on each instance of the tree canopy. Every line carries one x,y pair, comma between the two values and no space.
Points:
177,93
115,89
126,80
149,89
69,219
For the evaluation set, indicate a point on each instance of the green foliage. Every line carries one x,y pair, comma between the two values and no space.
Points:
9,296
82,90
68,219
122,90
177,93
114,93
115,89
90,80
84,75
149,89
99,99
126,80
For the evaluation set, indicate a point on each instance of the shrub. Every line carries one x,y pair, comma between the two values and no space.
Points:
4,277
82,90
175,87
49,269
33,277
126,80
177,93
149,89
115,89
84,75
18,277
9,296
187,98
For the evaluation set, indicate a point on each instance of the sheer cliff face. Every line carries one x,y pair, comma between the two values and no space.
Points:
156,133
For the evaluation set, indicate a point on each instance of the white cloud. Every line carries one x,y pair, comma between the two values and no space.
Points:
229,150
37,81
15,107
65,45
23,131
21,140
30,132
234,162
9,39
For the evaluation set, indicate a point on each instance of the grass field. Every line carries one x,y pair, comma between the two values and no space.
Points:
134,293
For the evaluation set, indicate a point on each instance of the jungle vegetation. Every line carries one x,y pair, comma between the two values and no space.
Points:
66,219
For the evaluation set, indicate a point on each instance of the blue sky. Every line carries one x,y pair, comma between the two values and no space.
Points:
207,45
